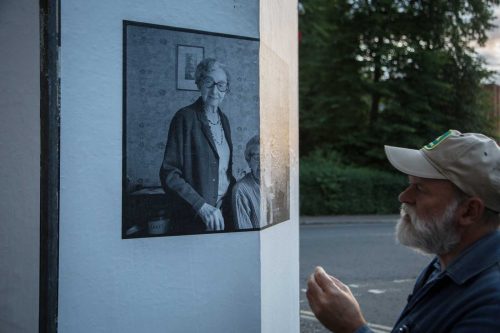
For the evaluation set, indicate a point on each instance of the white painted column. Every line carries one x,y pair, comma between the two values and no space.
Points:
231,282
279,89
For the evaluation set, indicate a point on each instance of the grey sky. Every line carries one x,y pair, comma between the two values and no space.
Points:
491,51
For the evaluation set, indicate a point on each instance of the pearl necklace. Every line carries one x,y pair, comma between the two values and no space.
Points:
218,124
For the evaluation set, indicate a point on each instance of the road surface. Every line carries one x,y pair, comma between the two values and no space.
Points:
366,257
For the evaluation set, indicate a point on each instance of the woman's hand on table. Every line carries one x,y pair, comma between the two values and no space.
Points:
212,217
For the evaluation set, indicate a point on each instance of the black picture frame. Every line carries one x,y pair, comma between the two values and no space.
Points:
153,71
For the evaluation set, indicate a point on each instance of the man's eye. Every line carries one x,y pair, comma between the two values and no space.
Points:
417,187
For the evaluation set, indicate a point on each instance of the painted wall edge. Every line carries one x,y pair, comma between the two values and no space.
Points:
49,164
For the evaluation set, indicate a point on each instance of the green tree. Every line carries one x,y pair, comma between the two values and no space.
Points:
390,72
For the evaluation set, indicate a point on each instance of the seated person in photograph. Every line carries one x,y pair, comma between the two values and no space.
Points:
196,172
246,192
450,209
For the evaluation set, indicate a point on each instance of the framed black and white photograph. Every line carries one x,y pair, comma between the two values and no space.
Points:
191,132
187,59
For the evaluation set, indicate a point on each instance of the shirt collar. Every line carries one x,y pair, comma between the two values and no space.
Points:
479,256
434,271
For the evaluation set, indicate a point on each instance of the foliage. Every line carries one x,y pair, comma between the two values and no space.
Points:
330,187
395,72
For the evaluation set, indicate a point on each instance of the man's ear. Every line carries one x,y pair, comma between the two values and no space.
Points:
470,211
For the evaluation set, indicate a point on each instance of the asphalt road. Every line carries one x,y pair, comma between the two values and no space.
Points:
366,257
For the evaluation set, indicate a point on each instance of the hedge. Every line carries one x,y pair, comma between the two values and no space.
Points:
327,186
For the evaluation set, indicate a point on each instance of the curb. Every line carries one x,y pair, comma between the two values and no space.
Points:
348,219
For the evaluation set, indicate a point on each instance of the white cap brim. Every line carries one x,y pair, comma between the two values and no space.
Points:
412,162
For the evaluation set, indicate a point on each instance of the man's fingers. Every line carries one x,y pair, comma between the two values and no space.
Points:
323,280
339,284
312,285
328,282
314,293
333,307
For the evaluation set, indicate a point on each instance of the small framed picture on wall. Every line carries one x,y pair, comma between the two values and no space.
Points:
187,59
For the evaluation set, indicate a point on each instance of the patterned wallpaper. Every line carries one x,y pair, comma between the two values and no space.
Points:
152,97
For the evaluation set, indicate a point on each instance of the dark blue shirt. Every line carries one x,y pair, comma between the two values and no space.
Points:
464,298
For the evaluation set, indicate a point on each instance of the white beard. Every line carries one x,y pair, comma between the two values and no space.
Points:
436,235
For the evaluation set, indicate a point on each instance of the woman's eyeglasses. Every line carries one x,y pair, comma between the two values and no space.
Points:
222,86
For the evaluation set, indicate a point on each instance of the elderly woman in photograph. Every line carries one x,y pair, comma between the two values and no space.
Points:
196,172
246,192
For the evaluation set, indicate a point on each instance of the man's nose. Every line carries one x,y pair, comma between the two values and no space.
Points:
407,196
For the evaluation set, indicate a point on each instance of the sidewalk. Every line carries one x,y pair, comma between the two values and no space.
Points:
343,219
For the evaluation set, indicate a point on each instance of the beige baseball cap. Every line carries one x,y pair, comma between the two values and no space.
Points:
469,160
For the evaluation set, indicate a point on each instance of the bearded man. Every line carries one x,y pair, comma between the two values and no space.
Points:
451,209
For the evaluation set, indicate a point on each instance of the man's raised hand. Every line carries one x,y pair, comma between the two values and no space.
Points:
333,303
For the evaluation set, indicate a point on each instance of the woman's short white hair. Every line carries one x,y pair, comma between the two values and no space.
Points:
206,66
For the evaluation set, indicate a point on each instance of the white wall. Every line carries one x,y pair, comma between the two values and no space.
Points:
19,165
198,283
280,244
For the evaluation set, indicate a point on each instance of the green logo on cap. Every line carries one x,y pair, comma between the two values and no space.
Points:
436,142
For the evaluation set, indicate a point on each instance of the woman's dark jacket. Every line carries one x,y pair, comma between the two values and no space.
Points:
190,170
